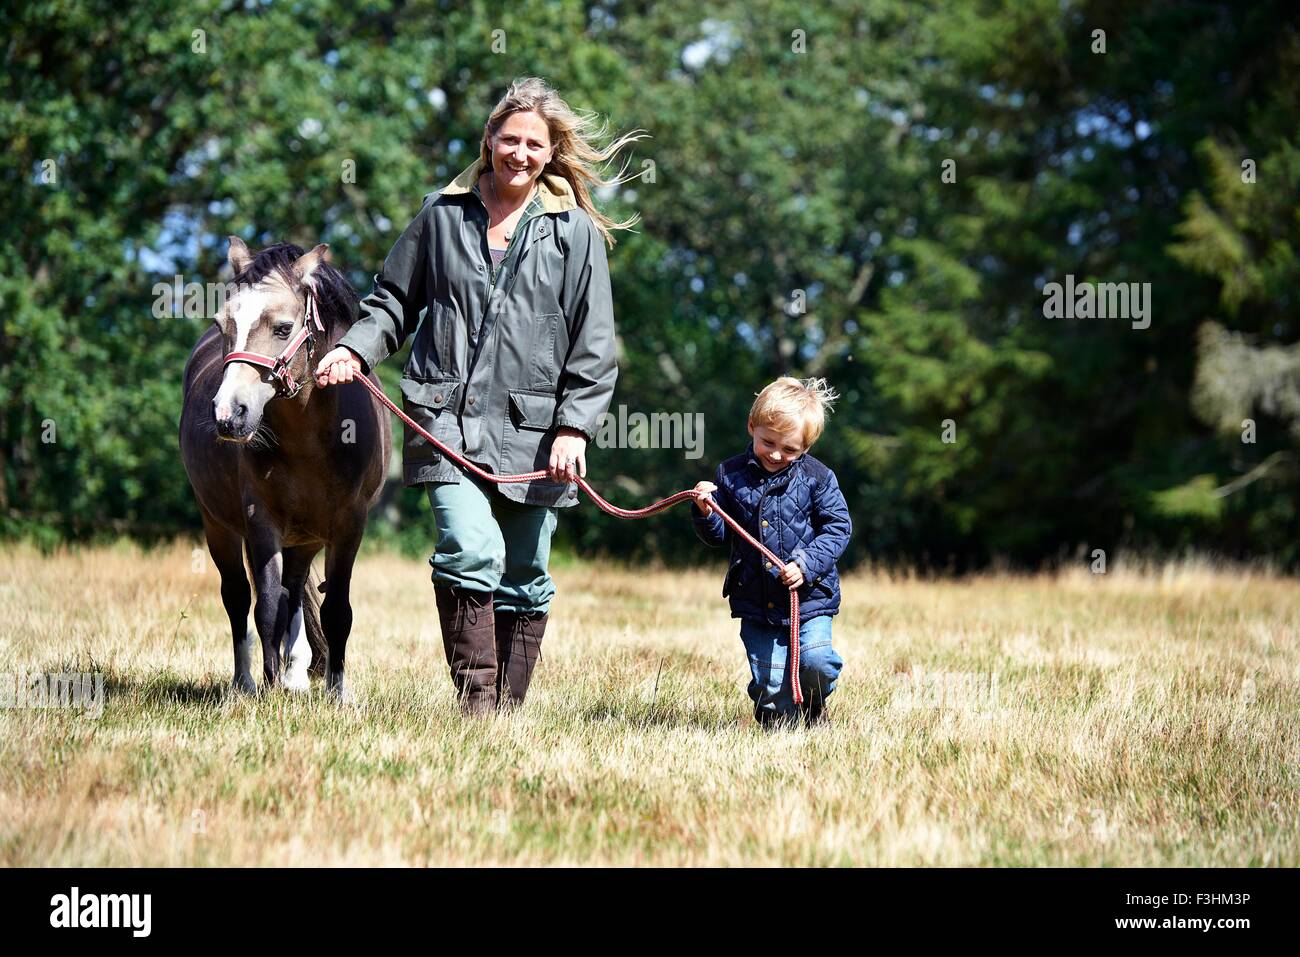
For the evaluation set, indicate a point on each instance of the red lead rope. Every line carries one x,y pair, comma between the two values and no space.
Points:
646,512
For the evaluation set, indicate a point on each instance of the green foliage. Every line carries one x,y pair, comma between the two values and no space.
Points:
798,222
1195,499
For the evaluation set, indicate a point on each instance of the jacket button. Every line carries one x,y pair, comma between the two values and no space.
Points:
765,523
767,564
471,400
770,605
438,397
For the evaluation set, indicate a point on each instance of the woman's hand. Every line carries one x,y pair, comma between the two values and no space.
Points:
702,489
337,365
568,456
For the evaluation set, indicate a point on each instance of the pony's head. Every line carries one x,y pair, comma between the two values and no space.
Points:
266,312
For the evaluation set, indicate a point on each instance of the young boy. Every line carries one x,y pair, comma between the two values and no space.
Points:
792,503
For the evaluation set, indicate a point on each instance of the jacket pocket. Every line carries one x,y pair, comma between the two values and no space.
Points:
432,404
543,372
820,585
823,589
526,436
434,394
730,581
532,410
434,344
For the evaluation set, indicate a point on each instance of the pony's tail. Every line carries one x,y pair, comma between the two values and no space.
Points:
315,631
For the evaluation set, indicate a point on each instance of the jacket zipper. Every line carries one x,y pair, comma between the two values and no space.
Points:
492,281
510,243
767,578
767,487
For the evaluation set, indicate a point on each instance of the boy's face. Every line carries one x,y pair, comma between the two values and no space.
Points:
776,449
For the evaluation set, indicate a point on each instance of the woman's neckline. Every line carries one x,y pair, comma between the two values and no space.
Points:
532,196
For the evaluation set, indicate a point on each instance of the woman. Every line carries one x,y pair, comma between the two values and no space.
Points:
512,366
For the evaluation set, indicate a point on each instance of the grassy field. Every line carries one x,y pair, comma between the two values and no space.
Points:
1134,718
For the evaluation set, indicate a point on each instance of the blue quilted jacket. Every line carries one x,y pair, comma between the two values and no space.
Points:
800,514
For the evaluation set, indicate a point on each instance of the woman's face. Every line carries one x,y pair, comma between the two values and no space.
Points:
520,150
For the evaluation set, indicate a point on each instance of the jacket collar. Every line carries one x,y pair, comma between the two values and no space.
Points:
554,191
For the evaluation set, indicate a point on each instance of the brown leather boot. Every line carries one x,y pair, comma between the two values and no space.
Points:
519,645
468,638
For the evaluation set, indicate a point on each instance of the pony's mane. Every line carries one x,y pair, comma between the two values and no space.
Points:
335,297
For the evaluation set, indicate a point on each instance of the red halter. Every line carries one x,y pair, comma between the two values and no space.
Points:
278,366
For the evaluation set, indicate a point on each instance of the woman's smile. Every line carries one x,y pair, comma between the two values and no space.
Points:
514,174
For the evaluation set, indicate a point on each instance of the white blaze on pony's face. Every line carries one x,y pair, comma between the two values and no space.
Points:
262,317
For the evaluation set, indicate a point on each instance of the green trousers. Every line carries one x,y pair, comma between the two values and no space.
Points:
488,543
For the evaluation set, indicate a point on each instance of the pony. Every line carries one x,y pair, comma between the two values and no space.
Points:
281,469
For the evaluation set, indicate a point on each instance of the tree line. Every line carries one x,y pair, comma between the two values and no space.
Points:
895,195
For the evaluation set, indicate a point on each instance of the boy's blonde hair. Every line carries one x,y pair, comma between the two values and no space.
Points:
794,405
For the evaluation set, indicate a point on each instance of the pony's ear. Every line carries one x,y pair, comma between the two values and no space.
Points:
239,255
305,268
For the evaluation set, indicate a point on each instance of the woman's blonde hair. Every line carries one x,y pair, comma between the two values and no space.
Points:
572,133
794,405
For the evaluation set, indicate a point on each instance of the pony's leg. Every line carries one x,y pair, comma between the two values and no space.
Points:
336,609
297,649
271,610
226,549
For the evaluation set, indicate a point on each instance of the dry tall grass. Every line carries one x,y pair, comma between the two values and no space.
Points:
1128,719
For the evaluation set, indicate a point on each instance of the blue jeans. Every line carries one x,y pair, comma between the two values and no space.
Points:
768,648
486,542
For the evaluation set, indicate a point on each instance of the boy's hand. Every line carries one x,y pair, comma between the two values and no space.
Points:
792,575
701,489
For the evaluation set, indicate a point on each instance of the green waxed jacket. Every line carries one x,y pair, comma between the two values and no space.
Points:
496,366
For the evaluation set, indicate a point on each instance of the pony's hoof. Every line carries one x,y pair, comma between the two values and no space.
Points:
338,690
296,681
244,684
